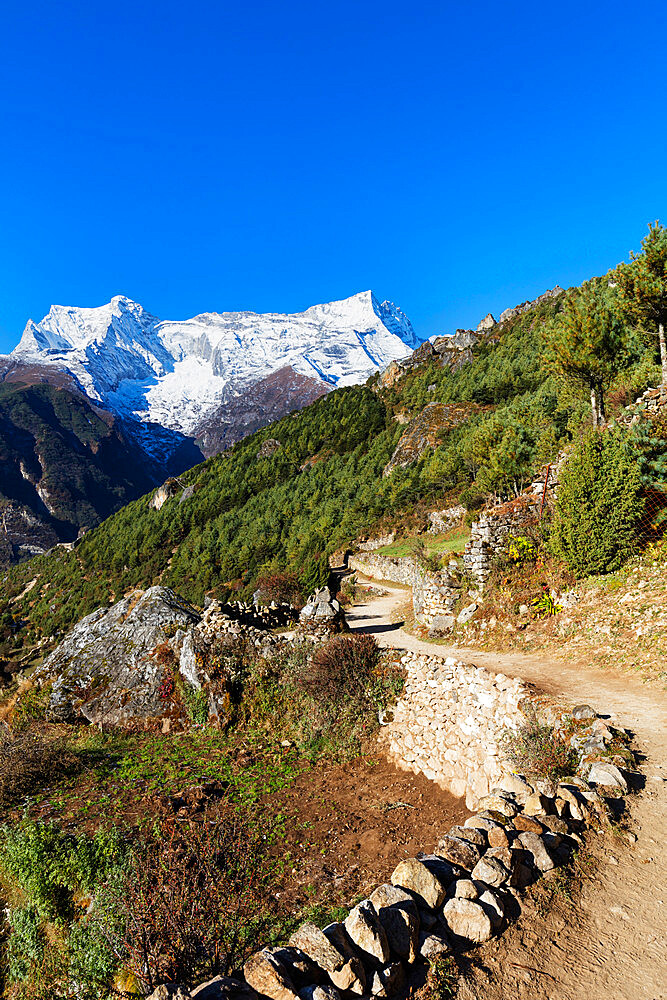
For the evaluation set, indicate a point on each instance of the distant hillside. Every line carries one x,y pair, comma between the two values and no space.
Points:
66,465
290,505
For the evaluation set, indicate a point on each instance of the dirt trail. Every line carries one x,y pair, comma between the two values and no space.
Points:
616,946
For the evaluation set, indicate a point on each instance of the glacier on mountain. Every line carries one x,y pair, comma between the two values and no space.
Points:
176,373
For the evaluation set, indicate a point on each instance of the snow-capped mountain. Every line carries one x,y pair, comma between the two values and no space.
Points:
179,374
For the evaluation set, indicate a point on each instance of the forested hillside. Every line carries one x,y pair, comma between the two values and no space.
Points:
324,485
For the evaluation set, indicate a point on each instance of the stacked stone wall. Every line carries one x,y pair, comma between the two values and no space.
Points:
434,595
448,722
397,570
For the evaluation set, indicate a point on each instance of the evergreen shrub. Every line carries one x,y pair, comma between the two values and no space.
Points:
600,505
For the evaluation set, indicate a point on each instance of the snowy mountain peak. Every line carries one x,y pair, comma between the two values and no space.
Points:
177,373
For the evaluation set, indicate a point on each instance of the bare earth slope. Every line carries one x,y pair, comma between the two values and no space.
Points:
615,947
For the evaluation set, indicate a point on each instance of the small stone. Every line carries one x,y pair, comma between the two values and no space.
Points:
414,875
459,852
555,824
315,944
365,930
389,981
499,804
466,614
432,945
268,976
527,824
465,888
493,907
497,837
467,919
607,775
582,712
536,804
480,823
516,784
491,871
535,846
472,834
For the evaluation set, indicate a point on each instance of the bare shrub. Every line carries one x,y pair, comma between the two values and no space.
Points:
191,904
534,749
279,586
29,761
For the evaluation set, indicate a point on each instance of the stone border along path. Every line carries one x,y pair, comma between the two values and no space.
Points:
457,898
617,948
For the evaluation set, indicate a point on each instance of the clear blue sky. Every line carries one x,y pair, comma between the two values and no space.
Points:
456,158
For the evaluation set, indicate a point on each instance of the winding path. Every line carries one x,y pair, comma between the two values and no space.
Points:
617,948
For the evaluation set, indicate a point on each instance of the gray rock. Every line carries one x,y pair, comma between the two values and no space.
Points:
389,981
607,775
316,945
399,916
517,785
499,804
364,929
415,875
460,852
465,888
474,835
266,974
493,907
534,844
466,614
491,871
432,945
105,669
441,626
582,712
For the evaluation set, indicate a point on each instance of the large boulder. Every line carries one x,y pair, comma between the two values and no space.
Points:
109,668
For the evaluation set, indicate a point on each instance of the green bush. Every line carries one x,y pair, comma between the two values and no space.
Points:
599,506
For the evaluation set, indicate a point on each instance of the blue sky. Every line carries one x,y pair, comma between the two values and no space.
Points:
456,158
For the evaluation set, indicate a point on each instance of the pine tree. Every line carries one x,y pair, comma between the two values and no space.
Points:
586,345
642,285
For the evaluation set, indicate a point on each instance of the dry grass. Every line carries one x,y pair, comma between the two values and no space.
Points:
28,762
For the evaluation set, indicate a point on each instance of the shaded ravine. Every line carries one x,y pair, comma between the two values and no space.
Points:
617,948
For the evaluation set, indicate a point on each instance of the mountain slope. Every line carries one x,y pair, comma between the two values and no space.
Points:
187,375
66,465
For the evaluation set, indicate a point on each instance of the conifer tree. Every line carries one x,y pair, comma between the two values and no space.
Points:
585,345
642,285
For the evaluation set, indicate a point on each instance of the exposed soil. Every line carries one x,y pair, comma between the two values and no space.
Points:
611,942
348,827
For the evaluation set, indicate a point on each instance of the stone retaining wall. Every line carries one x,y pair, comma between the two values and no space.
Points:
398,569
434,595
448,722
489,534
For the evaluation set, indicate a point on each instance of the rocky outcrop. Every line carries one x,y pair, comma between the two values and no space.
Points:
486,324
423,432
120,663
551,293
170,488
106,669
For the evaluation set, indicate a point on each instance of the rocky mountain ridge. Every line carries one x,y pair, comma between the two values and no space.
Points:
187,376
